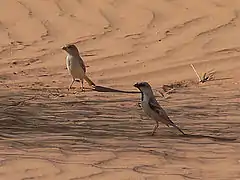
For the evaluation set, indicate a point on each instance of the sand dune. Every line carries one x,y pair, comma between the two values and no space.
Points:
50,133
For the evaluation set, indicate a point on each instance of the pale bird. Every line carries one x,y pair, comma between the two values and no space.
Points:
152,108
76,66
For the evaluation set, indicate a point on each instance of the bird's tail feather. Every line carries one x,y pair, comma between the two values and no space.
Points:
89,81
174,125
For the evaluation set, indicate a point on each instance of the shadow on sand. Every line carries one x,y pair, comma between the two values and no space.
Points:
107,89
214,138
39,120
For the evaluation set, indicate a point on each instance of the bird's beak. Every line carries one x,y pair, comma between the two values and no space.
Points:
64,48
136,85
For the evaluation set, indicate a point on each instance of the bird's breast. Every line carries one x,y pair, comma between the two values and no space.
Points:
74,67
146,108
149,111
72,61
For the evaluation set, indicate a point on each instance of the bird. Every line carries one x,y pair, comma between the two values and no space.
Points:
76,66
152,108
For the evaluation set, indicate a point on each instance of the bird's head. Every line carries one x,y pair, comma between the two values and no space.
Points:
70,49
143,87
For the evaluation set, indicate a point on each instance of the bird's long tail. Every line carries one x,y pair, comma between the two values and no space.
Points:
174,125
89,81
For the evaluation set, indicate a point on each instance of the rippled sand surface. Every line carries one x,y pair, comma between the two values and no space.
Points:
48,132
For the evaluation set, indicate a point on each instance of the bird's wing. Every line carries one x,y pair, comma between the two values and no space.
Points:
82,64
157,108
153,104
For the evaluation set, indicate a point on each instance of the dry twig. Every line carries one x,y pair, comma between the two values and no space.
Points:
207,76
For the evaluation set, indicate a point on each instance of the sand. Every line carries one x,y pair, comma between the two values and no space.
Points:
48,132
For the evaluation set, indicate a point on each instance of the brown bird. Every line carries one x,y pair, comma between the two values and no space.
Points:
152,108
76,66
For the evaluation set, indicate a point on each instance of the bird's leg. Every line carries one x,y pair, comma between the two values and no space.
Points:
155,128
82,85
70,86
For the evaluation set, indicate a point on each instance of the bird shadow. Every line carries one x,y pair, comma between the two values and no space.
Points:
214,138
108,89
